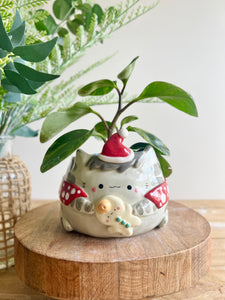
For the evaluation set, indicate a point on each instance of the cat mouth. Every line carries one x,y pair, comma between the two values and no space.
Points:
114,186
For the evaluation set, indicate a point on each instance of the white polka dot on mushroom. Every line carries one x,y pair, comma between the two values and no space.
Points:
67,196
63,193
73,191
78,192
163,198
69,187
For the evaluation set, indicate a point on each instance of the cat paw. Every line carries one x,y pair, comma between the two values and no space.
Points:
66,225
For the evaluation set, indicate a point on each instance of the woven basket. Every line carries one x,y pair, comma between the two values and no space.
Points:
15,192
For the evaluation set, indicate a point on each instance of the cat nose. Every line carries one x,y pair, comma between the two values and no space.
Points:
103,206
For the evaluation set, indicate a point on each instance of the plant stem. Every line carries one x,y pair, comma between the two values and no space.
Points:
113,124
128,104
103,120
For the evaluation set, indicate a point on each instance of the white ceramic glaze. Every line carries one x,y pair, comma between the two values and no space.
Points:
92,191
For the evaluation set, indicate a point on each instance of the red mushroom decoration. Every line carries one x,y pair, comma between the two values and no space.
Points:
69,192
159,195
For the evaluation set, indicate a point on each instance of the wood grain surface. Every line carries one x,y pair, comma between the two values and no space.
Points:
210,287
74,266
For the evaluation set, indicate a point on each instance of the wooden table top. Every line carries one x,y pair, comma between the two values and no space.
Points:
210,287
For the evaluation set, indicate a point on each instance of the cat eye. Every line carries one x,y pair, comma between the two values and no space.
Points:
129,187
100,186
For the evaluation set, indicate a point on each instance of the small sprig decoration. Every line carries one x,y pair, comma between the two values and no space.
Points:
69,142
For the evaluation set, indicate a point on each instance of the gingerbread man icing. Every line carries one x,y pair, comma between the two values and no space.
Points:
117,215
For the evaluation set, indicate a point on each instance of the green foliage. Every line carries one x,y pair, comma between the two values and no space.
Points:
126,73
25,131
35,52
17,78
63,147
170,94
151,139
164,91
127,120
11,48
78,25
165,166
100,131
97,88
57,121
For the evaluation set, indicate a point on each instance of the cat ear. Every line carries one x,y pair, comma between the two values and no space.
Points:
82,157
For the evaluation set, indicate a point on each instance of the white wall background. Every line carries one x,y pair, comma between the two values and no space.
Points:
181,42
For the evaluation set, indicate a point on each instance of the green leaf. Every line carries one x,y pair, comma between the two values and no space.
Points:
2,53
35,84
96,9
88,18
17,21
100,131
170,94
139,146
85,7
63,147
35,52
32,74
12,97
8,86
62,32
57,121
18,35
73,25
5,42
61,9
151,139
25,131
97,88
165,166
20,82
125,74
10,66
48,24
128,119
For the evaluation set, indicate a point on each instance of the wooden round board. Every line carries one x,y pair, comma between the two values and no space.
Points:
74,266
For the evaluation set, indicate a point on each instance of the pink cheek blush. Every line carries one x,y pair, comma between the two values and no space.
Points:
118,208
136,190
94,189
107,221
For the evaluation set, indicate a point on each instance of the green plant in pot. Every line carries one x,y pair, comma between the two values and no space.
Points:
121,191
35,48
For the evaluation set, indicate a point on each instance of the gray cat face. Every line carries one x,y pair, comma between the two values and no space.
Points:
129,181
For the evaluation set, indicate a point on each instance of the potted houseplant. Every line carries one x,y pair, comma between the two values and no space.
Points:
121,191
35,48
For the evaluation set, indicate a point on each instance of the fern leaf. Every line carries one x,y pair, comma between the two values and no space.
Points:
111,15
6,11
56,58
67,48
40,15
44,66
92,27
31,3
80,38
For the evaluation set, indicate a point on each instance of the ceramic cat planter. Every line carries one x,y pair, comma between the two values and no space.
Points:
117,193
